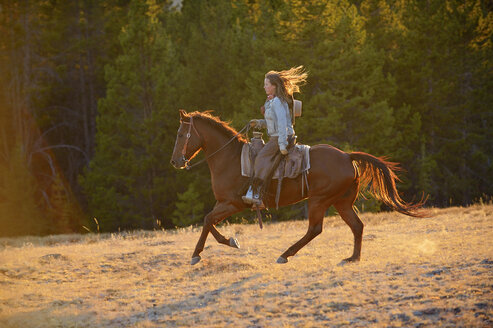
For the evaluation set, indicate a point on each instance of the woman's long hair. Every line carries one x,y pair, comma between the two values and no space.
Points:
287,82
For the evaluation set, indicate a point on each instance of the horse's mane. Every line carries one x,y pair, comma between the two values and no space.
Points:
216,122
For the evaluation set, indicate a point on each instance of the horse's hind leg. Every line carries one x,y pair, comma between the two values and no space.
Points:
345,209
233,242
219,212
315,221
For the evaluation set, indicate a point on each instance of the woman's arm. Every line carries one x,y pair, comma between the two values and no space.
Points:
259,124
282,124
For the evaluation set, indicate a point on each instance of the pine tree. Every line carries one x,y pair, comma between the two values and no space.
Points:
129,179
347,93
189,208
29,167
439,63
217,48
265,50
383,26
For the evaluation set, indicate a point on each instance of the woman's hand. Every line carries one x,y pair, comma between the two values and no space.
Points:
283,151
253,123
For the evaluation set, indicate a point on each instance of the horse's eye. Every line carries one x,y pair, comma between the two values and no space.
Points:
180,135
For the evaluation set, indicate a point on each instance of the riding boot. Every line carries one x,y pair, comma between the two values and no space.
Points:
254,193
257,198
258,192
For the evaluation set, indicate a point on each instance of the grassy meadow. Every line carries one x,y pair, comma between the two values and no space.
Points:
414,273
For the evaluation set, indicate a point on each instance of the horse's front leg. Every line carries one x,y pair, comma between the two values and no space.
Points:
220,211
232,241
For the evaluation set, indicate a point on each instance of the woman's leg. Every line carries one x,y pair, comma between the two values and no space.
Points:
266,159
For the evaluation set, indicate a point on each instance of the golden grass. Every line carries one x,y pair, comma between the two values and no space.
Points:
414,272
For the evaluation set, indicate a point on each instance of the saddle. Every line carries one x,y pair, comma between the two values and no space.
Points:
296,162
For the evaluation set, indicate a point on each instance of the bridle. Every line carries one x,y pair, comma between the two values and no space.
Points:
189,134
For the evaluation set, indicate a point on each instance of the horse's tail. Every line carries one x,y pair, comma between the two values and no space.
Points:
380,176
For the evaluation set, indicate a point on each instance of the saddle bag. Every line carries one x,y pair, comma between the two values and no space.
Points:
294,163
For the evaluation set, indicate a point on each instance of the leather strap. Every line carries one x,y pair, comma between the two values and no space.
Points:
184,150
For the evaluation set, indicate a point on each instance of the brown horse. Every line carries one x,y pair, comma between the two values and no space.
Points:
334,179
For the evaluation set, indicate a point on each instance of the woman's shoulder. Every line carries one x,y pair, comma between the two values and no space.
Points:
279,102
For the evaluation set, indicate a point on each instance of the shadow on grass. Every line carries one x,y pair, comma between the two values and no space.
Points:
158,314
161,313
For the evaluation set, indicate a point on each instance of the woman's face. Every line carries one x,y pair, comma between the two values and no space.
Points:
270,89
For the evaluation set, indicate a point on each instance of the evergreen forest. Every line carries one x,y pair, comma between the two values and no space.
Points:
90,92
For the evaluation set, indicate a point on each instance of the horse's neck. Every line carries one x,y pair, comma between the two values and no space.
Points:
219,160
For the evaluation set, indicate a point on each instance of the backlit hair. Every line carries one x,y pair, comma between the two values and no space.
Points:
287,82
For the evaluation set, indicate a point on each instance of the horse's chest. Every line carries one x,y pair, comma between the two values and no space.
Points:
227,181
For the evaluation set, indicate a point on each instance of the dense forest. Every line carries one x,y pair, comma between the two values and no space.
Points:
90,92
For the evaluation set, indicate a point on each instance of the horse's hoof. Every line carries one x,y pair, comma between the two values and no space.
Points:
195,260
233,242
347,261
282,260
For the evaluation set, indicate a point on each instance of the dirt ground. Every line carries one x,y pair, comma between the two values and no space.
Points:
414,273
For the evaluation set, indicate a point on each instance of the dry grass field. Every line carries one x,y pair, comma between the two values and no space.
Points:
434,272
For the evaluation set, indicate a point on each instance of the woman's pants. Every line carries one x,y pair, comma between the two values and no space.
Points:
268,159
266,162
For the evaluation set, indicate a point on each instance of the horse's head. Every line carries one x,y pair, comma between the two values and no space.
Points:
188,142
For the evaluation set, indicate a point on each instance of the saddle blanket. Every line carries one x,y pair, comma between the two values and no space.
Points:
296,162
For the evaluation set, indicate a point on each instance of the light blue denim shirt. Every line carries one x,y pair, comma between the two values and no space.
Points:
278,121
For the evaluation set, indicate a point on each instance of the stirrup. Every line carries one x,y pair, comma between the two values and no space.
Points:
256,200
253,198
248,198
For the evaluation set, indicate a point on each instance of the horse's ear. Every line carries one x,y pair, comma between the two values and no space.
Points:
183,114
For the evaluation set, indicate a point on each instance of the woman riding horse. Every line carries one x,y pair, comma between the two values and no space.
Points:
279,120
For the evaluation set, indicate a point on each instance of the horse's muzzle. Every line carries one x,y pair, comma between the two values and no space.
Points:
175,164
179,164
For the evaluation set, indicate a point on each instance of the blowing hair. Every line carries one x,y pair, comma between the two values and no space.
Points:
287,82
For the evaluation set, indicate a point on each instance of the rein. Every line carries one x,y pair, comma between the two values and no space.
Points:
184,150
